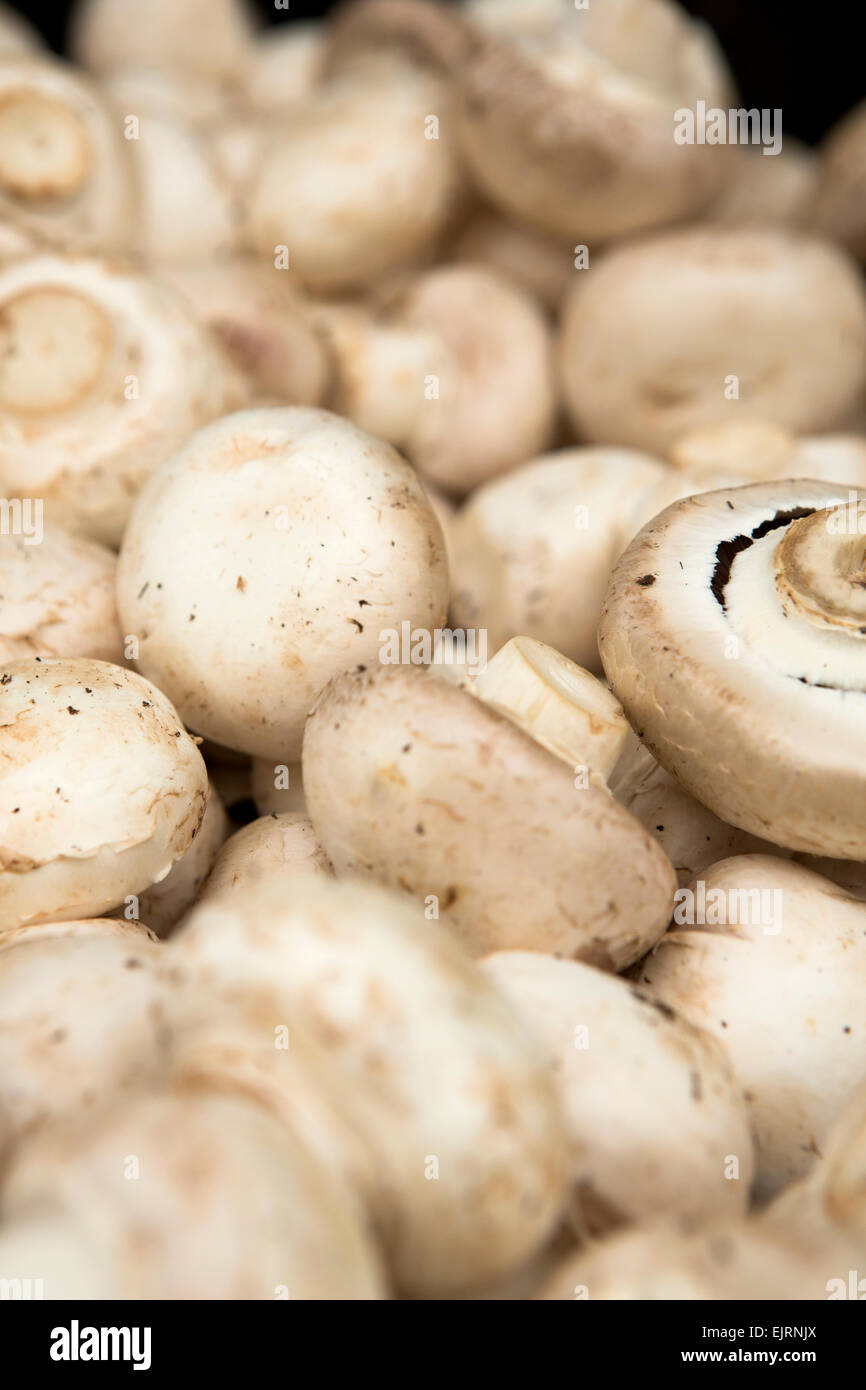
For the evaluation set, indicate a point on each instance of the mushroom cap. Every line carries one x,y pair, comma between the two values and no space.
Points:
731,635
620,1062
778,191
286,68
413,782
81,1019
163,904
522,563
101,789
653,333
691,836
570,127
839,207
211,37
58,598
354,187
263,324
418,1054
65,169
777,974
303,539
226,1203
185,204
754,451
274,846
103,374
539,265
745,1261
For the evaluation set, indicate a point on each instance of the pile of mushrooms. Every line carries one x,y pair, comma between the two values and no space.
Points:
432,663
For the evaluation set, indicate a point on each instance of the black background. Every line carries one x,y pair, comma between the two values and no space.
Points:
806,58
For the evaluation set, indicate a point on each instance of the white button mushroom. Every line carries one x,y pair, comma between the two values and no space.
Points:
754,451
194,1195
733,635
101,790
412,781
419,1055
103,374
65,169
264,325
81,1019
839,209
285,69
570,127
360,183
210,37
163,905
57,598
275,846
775,192
621,1061
539,265
304,538
532,552
457,372
745,1262
666,334
771,959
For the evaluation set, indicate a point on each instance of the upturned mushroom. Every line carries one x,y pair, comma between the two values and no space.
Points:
685,328
103,374
456,371
101,790
751,931
65,170
304,538
187,1194
486,804
275,847
418,1054
364,179
732,634
81,1019
620,1061
570,126
58,596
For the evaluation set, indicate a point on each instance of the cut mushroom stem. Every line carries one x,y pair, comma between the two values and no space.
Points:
556,702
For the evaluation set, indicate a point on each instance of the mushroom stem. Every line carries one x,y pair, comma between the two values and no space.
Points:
821,569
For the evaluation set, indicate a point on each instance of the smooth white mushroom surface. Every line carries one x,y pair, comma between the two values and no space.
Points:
688,327
733,634
620,1061
771,959
359,182
420,785
57,596
274,847
419,1053
80,1004
197,1195
208,37
303,538
101,789
103,374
